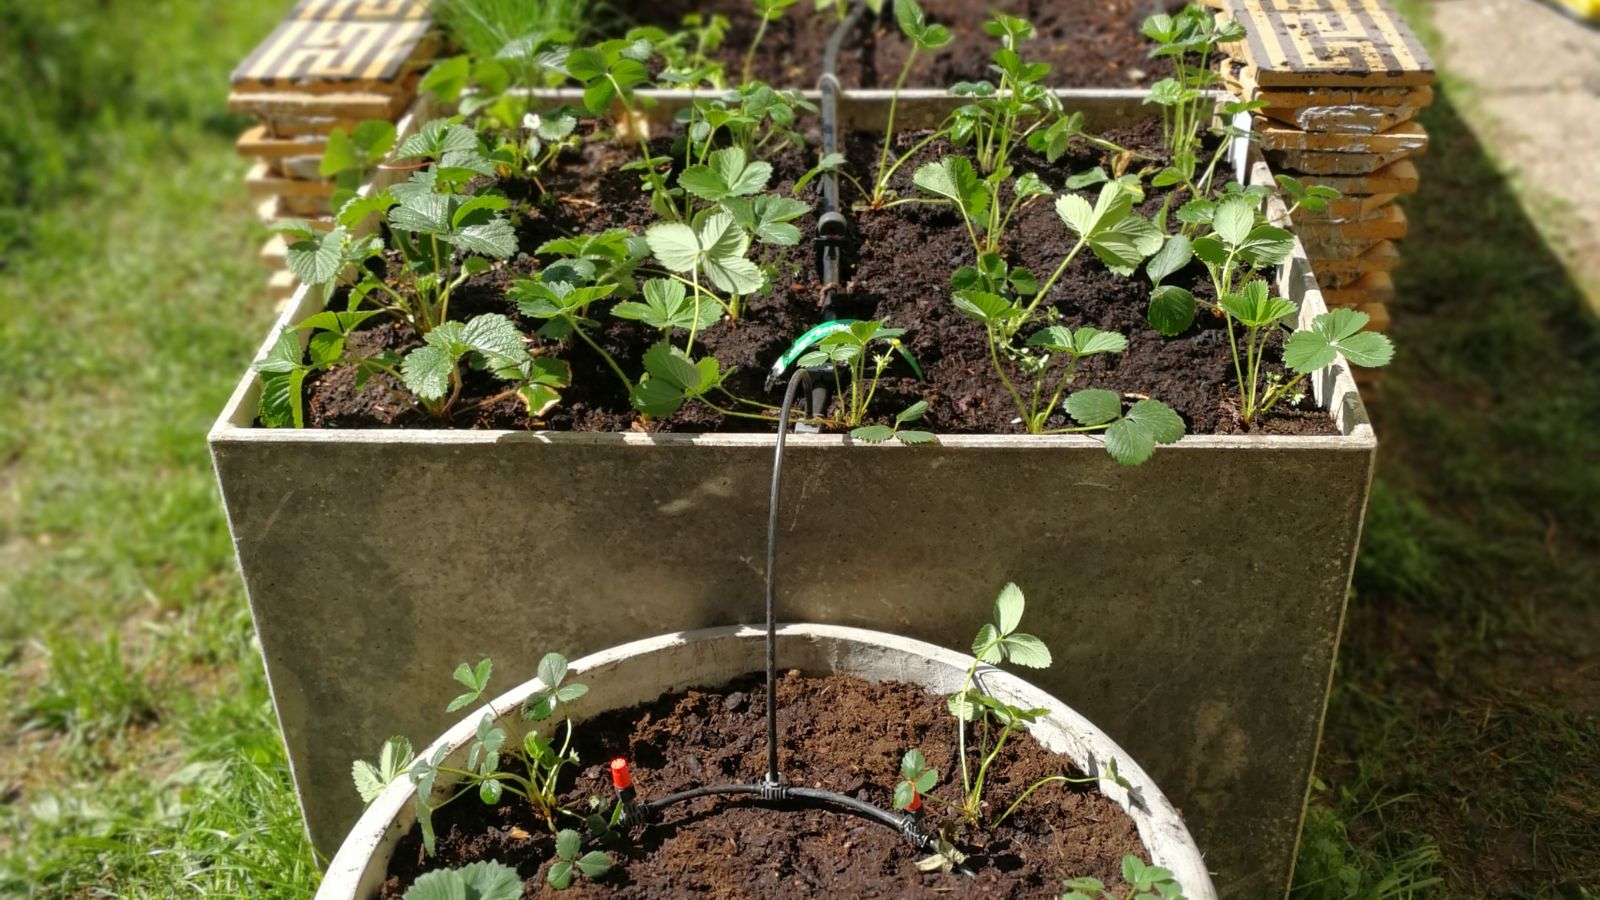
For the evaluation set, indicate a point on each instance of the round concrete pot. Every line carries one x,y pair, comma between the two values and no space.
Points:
640,671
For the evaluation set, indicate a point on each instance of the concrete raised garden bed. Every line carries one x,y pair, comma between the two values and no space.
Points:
638,672
1208,660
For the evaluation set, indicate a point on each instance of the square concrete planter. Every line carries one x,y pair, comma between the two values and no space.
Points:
376,560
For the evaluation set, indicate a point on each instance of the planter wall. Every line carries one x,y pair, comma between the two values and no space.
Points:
376,560
643,670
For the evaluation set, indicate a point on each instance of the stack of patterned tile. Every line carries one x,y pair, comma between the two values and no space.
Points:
1342,81
330,64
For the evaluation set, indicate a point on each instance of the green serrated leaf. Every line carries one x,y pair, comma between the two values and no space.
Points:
675,245
1027,650
872,434
426,372
1094,406
568,843
1172,309
1333,332
670,364
1008,608
1174,254
912,413
1254,307
594,864
954,179
482,880
560,875
1233,220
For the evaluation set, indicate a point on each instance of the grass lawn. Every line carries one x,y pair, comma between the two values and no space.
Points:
1462,751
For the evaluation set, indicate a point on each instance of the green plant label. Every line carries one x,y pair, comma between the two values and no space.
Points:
803,343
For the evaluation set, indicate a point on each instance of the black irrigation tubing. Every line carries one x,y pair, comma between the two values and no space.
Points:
833,232
833,229
771,788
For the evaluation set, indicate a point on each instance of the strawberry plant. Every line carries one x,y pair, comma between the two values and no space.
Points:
1237,246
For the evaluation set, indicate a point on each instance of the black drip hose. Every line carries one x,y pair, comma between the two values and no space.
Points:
907,824
832,232
771,788
800,375
832,228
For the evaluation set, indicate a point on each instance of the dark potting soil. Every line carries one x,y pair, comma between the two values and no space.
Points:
900,271
836,732
1088,43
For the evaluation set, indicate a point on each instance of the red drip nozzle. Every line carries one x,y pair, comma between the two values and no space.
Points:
916,801
620,779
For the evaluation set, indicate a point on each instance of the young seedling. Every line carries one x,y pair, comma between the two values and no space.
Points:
1188,39
923,37
851,349
877,434
1003,117
1144,882
543,761
478,881
1006,301
917,778
992,721
571,860
767,10
1237,245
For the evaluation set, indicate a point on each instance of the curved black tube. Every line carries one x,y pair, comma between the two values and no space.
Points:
800,375
907,824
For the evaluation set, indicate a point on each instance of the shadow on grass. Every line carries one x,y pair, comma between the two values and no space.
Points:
1462,750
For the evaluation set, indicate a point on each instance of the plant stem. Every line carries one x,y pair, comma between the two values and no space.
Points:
1053,779
695,325
1233,345
883,177
603,354
750,55
1054,277
994,356
888,132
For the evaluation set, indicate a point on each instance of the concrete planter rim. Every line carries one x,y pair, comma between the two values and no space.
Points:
362,859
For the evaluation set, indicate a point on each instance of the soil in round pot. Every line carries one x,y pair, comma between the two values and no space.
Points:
1088,43
900,271
836,732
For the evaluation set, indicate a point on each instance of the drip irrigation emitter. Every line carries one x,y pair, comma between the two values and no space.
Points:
772,789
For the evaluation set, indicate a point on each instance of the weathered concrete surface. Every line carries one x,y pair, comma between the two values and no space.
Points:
375,565
640,671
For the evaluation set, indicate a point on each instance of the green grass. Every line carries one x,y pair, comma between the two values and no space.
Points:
1462,750
149,760
1461,755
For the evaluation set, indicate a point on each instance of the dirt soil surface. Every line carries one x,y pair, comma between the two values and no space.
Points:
1088,43
899,271
836,732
